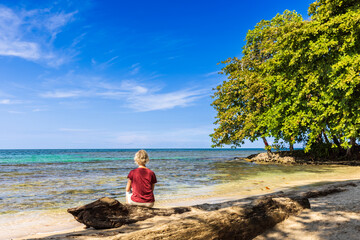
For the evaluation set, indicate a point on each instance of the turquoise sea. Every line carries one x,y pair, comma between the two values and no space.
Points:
57,178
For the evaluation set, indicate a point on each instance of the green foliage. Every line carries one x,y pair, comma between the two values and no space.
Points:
279,145
322,150
297,80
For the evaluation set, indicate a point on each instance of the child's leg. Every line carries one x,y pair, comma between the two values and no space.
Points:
131,202
128,198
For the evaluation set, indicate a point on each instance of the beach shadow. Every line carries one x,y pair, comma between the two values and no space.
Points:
322,225
332,217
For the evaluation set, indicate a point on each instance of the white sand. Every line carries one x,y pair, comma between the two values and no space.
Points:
36,224
333,217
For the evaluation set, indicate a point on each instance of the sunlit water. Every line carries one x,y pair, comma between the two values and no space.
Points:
43,183
52,179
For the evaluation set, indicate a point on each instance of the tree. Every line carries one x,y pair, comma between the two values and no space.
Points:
242,100
319,63
298,80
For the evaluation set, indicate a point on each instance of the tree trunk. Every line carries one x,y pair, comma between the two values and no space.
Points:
234,222
291,147
350,150
110,213
325,137
266,145
319,138
353,142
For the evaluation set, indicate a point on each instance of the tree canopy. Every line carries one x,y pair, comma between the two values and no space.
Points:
297,80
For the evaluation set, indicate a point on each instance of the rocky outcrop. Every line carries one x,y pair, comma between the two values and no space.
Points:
271,158
110,213
299,157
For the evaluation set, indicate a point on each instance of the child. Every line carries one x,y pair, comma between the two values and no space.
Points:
142,181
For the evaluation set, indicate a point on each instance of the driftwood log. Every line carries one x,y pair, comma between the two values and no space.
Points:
234,222
110,213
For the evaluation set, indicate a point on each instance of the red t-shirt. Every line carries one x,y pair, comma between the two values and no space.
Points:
141,183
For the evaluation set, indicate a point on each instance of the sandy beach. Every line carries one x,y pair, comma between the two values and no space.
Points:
335,216
332,217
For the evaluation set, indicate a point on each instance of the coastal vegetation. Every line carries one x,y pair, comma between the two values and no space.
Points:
297,81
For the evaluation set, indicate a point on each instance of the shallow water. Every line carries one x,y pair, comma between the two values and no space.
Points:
38,185
238,178
52,179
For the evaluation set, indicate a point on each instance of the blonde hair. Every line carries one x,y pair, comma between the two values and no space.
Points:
141,157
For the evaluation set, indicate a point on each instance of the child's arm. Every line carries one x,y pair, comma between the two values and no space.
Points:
128,186
153,186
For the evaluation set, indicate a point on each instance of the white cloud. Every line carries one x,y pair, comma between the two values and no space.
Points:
135,69
137,96
30,34
111,94
56,21
186,137
106,64
162,101
39,110
26,50
15,112
5,101
9,101
144,99
133,88
74,130
62,94
212,73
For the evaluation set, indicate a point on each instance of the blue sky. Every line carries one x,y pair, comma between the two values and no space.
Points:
118,74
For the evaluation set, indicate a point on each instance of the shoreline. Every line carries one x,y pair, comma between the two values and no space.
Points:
79,232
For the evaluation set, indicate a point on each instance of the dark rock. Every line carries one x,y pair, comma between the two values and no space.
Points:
110,213
252,156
